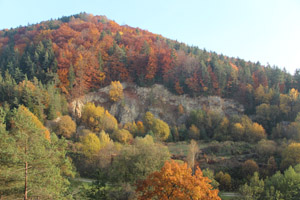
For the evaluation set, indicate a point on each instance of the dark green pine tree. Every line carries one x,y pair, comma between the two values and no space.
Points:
71,77
100,61
31,164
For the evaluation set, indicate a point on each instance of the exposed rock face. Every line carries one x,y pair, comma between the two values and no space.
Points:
156,99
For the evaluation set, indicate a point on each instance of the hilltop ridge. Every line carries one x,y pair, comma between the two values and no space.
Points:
87,52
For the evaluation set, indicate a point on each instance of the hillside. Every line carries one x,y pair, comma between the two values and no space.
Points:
83,97
88,52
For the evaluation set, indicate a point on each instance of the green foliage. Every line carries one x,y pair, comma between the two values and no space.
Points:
26,143
159,128
45,101
284,186
266,148
254,190
137,161
279,186
71,77
224,179
41,74
132,163
39,61
210,174
213,124
194,132
290,156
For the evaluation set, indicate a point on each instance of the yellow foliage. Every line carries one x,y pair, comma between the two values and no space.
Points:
116,91
147,140
26,84
36,121
101,76
140,127
109,122
104,139
137,129
66,126
225,123
237,131
290,156
132,128
194,132
161,129
90,145
149,119
256,132
92,114
284,103
97,118
293,94
123,136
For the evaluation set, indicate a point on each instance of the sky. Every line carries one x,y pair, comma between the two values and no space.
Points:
267,31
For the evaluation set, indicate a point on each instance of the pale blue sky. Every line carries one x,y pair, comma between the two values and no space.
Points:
267,31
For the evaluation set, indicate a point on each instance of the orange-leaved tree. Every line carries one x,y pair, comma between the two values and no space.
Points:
176,181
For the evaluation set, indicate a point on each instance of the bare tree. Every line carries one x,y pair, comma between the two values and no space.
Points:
193,150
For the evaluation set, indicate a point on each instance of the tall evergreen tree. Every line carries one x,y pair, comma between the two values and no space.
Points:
32,164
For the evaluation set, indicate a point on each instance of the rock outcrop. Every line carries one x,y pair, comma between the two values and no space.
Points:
156,99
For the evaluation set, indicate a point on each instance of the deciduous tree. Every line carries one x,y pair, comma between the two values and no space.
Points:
66,126
116,91
175,181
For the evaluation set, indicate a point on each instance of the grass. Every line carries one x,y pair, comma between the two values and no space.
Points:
178,148
229,196
76,187
182,148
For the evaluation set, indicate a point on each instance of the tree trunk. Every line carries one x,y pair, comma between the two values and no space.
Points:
26,167
25,192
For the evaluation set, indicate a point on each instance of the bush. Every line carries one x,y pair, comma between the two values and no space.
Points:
66,126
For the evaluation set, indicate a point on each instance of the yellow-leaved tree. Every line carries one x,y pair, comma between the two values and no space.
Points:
159,128
90,145
123,136
66,126
104,139
290,156
116,91
97,118
35,120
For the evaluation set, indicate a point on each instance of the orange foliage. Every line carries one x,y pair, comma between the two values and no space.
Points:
152,65
79,40
234,66
178,88
175,181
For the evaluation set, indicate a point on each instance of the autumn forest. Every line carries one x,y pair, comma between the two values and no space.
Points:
49,152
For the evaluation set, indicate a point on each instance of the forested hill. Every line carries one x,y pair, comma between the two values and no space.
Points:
124,135
88,52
